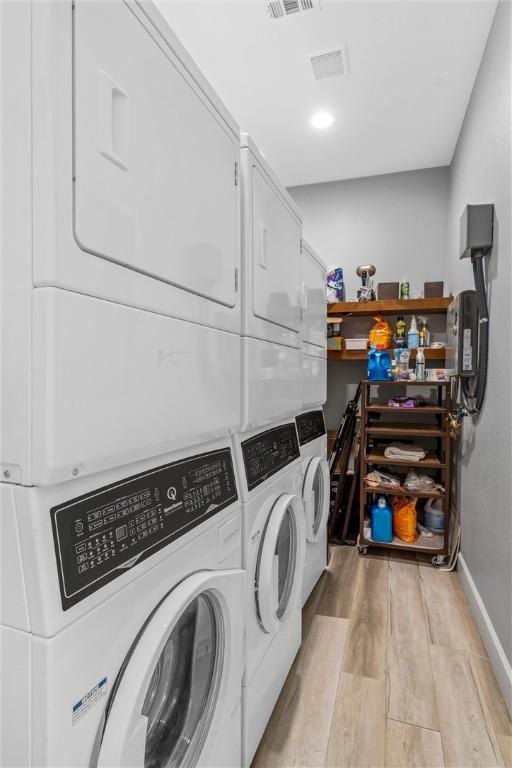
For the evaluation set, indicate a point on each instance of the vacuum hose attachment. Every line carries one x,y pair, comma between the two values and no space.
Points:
474,395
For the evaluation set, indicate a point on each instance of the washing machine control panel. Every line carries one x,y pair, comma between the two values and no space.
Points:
310,426
268,452
99,535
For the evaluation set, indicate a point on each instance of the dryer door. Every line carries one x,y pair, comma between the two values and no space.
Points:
280,563
154,161
314,309
315,494
171,702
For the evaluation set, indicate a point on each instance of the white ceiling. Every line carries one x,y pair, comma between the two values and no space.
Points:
412,68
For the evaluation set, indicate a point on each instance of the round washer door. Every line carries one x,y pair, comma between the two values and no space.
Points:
173,689
315,494
280,564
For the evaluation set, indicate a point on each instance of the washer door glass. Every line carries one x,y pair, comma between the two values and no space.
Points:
180,698
285,553
280,562
318,500
316,497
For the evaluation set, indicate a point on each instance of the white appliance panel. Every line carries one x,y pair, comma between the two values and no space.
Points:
113,384
154,164
39,524
314,311
271,382
276,237
271,260
313,379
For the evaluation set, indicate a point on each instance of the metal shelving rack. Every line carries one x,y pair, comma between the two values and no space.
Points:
374,435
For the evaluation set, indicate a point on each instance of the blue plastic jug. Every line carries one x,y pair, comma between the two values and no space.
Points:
382,520
379,365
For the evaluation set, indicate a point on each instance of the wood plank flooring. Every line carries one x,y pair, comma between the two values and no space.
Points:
392,673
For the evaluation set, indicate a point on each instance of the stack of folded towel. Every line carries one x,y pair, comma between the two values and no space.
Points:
404,452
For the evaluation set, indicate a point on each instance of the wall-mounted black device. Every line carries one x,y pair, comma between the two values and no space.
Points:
470,331
462,334
476,225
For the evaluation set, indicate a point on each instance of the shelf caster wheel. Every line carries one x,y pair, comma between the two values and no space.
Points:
438,561
361,548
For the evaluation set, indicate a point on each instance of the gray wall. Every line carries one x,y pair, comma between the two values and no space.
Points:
481,173
397,222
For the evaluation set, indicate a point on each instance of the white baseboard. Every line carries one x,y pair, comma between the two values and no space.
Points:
500,663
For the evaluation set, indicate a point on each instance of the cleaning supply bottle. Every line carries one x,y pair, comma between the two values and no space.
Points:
400,340
426,334
413,339
420,365
404,288
379,364
382,520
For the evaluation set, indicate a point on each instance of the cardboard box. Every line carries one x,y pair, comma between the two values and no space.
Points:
387,291
433,290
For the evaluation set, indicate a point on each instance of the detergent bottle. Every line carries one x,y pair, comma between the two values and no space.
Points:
382,520
379,364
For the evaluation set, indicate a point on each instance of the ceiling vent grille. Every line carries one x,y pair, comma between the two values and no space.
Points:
329,63
279,8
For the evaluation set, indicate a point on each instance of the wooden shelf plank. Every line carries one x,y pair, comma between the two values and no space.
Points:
403,492
407,383
378,408
434,545
362,354
435,306
402,429
431,461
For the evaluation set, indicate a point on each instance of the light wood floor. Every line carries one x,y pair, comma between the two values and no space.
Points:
392,672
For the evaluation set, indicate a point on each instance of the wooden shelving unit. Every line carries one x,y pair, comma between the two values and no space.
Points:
436,306
376,433
362,354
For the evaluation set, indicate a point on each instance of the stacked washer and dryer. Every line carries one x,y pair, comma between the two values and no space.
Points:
155,512
276,373
122,605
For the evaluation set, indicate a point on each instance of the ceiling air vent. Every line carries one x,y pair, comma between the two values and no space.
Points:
279,8
329,63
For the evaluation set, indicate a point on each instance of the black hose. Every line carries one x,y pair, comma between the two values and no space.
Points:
477,395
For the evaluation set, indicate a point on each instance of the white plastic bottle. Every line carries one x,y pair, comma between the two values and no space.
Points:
413,337
420,365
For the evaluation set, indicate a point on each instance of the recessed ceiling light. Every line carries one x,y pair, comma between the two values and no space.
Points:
322,120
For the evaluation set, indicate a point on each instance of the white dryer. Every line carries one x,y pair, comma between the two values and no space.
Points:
120,243
122,618
273,543
271,294
313,330
315,494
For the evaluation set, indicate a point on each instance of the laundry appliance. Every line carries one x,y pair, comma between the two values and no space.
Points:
313,329
271,294
273,543
120,243
122,617
315,494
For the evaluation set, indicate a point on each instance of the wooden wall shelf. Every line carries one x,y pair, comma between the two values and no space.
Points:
436,306
362,354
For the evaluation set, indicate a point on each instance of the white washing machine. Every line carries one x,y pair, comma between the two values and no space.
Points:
271,294
315,494
313,330
120,242
273,544
122,618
